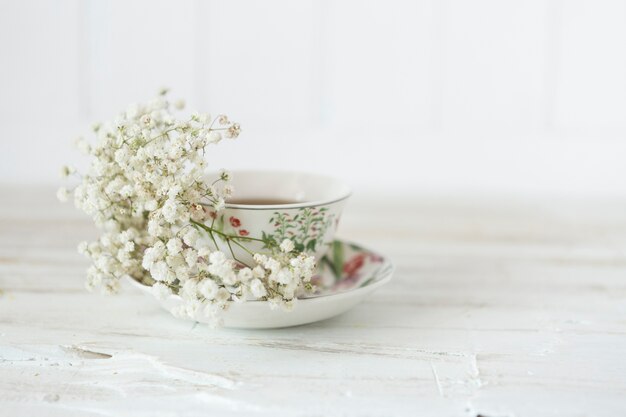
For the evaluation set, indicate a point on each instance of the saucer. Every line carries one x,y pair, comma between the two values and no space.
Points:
346,275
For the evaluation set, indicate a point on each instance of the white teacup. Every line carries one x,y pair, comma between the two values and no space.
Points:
277,205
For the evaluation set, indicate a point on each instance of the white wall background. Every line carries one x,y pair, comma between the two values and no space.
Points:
521,96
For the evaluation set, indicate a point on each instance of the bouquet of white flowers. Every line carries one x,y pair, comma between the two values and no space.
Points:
146,192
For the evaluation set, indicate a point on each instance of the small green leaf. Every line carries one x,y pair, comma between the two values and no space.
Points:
326,260
337,264
311,244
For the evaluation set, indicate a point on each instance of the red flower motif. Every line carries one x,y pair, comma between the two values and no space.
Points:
351,267
234,222
375,258
243,232
213,215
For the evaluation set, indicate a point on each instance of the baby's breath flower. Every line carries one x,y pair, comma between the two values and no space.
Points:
217,258
225,175
160,291
214,137
191,237
287,246
257,288
244,275
63,194
258,272
191,257
222,296
219,204
169,210
129,246
204,252
160,271
233,131
174,246
284,276
179,104
150,205
145,194
66,171
228,190
208,289
83,248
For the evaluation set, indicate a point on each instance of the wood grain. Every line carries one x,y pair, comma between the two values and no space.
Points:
498,308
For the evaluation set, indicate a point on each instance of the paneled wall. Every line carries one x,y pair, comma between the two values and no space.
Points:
447,96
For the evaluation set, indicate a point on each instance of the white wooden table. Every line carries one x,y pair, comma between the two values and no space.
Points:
496,309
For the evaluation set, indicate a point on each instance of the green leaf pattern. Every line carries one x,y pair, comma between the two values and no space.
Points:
307,228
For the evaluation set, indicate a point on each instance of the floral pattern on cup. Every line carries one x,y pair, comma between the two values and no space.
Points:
306,229
232,226
243,230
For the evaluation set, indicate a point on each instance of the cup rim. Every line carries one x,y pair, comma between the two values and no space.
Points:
313,203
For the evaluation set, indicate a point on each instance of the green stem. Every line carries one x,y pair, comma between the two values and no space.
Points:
235,237
206,229
214,241
224,235
161,135
233,253
241,246
228,238
213,237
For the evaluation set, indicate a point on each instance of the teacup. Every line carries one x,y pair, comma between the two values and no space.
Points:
268,207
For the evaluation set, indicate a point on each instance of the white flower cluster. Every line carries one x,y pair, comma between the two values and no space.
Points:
145,190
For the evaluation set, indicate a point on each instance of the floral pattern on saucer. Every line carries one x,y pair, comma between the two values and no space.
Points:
345,267
345,277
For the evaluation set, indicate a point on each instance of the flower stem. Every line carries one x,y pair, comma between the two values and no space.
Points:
207,229
226,236
233,253
214,241
241,246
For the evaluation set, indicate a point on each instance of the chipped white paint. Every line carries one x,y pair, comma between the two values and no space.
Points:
496,309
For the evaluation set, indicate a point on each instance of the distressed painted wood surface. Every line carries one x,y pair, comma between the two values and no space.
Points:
496,309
